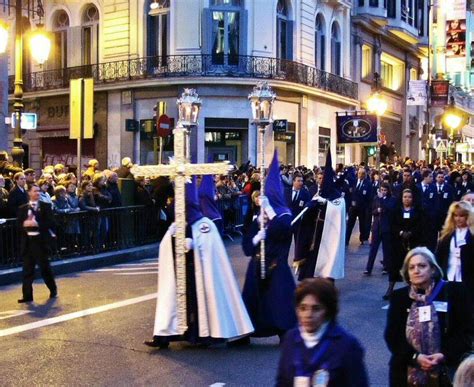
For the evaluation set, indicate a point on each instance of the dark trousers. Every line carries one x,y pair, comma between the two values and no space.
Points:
35,253
385,239
361,214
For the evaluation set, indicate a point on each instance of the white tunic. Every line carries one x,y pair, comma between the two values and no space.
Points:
332,250
221,311
454,262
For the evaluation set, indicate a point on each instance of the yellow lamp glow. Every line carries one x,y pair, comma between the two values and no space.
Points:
452,120
377,104
3,37
40,46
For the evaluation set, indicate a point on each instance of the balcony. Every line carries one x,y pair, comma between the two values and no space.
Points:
176,66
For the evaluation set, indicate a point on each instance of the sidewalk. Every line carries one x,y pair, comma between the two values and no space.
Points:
65,266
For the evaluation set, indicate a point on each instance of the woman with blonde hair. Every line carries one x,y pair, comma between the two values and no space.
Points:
428,324
455,251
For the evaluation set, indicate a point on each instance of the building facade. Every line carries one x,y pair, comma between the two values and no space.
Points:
140,52
390,38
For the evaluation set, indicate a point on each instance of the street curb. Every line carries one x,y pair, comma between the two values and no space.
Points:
66,266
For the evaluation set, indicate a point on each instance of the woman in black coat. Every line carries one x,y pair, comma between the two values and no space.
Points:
428,324
455,251
406,229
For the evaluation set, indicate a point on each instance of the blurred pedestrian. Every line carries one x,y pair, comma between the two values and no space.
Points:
124,171
4,211
112,187
319,352
44,194
36,222
464,376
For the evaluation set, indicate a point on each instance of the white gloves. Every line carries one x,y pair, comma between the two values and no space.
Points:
189,244
260,236
172,229
319,199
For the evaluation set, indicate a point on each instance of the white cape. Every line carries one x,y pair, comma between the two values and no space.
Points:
332,250
221,311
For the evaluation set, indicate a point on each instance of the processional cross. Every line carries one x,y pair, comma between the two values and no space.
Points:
180,170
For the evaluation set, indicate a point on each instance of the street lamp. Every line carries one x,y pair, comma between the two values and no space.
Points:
189,106
378,105
40,45
261,101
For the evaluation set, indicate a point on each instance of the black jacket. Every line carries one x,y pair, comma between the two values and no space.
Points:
16,198
467,260
455,329
46,223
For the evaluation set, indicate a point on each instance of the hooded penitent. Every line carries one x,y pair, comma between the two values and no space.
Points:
193,209
274,187
328,189
207,191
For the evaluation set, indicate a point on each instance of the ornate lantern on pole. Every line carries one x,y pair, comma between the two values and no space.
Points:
40,45
377,104
189,105
261,101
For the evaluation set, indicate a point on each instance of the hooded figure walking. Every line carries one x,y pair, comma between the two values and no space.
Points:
270,301
215,310
319,239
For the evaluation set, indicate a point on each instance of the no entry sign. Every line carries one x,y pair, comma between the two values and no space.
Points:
164,126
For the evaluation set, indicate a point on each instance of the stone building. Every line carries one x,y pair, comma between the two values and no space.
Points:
142,51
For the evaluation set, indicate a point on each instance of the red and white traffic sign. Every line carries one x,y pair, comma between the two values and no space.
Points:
164,126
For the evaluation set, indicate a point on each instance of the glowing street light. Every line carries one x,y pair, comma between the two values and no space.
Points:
40,45
3,37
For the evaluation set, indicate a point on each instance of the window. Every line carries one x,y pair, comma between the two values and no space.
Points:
392,72
336,63
320,43
158,30
340,154
224,31
374,3
391,8
367,57
284,32
58,58
90,35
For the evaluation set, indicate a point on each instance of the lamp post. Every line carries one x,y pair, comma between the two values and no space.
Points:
40,46
189,105
261,101
452,120
377,104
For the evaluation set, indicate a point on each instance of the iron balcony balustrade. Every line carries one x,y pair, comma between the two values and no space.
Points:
192,66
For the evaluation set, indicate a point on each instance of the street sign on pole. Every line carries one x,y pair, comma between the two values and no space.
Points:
164,126
81,106
442,146
28,121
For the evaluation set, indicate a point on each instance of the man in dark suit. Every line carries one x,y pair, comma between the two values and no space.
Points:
36,224
383,207
443,198
360,202
297,196
18,194
407,183
428,205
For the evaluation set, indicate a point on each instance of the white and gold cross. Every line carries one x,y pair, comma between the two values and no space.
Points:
180,170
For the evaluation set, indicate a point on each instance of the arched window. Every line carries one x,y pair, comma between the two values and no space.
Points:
336,62
90,35
284,32
320,43
60,26
158,29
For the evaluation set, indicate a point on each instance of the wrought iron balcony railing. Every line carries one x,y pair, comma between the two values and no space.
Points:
192,66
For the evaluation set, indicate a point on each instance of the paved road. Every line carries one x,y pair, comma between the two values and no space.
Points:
93,333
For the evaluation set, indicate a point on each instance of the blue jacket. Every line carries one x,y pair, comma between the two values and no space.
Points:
297,205
382,221
428,200
343,359
361,196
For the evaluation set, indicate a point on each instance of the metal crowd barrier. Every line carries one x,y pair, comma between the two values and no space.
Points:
87,232
233,212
